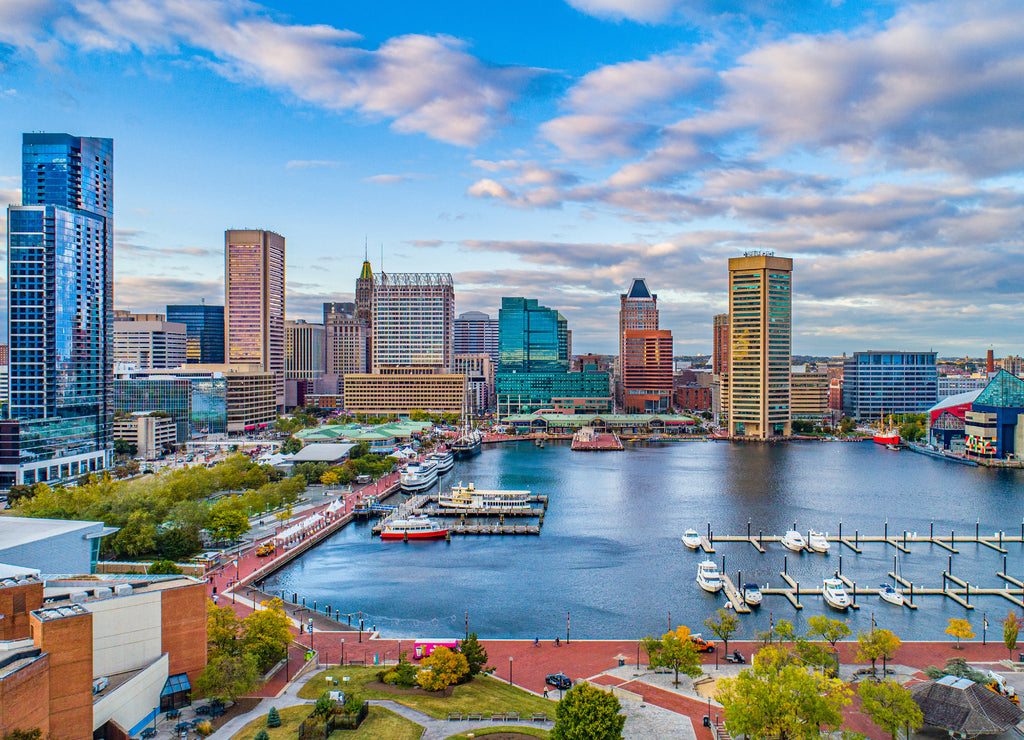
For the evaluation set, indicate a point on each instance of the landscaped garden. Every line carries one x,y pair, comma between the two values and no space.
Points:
380,724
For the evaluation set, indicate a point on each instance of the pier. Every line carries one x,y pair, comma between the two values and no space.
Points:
425,503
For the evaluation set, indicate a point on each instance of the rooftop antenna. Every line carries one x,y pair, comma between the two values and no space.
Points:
365,257
382,256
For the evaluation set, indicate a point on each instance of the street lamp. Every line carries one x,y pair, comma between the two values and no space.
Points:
311,634
510,669
342,652
638,654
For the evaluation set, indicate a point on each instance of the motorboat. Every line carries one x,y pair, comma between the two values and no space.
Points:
834,593
752,594
691,539
445,460
818,542
416,527
793,540
708,577
893,447
419,476
890,594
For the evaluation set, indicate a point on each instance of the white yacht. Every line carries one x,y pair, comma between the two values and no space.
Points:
445,460
708,577
752,594
419,476
834,593
793,540
818,541
691,539
890,594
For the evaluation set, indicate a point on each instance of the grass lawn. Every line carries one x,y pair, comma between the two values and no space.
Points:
483,694
380,724
534,731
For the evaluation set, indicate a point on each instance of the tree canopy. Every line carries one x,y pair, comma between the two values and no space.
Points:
723,625
829,630
441,669
1011,628
960,629
587,713
890,706
474,652
674,650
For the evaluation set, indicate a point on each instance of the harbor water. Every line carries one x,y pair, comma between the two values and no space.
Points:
609,555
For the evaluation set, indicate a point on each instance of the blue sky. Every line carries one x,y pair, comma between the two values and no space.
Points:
556,150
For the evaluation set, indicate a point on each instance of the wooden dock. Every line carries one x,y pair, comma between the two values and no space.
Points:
418,505
734,596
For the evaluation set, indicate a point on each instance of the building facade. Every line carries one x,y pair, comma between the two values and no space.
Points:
345,339
647,371
364,309
140,393
756,397
413,321
476,332
809,394
720,345
304,349
479,372
153,433
878,383
693,397
254,306
60,309
150,344
638,311
404,390
204,332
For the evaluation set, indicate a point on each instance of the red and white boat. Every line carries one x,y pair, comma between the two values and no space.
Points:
888,437
415,527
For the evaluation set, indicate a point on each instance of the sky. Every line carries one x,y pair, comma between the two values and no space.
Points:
556,150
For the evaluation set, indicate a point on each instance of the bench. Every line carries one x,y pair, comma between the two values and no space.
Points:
703,680
539,717
474,716
497,717
662,669
511,716
454,716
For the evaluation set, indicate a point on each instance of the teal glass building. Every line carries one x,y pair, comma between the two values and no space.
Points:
204,331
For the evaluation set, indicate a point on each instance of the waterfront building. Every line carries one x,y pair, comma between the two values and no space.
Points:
304,350
413,320
403,390
809,393
693,397
534,361
139,392
476,332
756,387
149,344
254,278
647,371
153,433
227,398
204,331
720,345
638,311
946,422
878,383
558,423
345,339
479,372
364,309
60,307
994,425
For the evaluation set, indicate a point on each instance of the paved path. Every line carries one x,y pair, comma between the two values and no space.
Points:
438,729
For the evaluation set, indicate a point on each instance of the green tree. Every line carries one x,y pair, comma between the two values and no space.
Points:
890,706
164,568
829,630
178,544
847,425
273,718
960,629
1011,628
18,492
262,734
474,652
222,628
723,626
227,524
868,648
674,650
124,447
785,630
265,634
587,713
34,734
441,669
291,446
325,706
227,677
888,643
775,698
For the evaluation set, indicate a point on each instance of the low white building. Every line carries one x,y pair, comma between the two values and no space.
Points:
152,434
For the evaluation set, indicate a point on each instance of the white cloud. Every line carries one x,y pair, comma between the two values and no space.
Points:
302,164
488,188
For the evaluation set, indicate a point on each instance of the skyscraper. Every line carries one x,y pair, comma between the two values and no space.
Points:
647,371
413,320
204,332
760,345
60,308
345,339
255,301
638,310
364,309
150,344
304,350
720,345
476,332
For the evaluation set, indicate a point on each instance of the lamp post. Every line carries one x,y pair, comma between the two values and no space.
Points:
567,628
638,654
984,627
510,669
467,625
342,653
311,634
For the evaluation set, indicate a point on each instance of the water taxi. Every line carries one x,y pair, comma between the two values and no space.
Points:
416,527
890,594
793,540
419,476
834,593
469,497
691,539
752,594
708,577
818,542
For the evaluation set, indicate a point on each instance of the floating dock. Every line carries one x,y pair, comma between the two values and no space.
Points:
423,504
588,439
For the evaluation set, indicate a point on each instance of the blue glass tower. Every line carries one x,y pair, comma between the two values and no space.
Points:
204,332
60,308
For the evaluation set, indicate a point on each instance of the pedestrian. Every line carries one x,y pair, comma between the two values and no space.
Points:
545,692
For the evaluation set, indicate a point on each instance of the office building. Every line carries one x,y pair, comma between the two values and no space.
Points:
952,385
476,332
403,390
345,338
638,311
304,350
809,391
204,332
413,320
479,372
720,345
60,307
150,344
757,395
533,369
3,354
255,301
138,392
878,383
646,363
153,433
364,308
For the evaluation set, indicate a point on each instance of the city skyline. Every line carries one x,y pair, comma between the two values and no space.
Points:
558,151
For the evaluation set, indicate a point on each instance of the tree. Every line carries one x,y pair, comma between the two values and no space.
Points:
442,669
1011,628
890,706
124,447
222,627
474,652
674,650
164,568
829,630
776,698
227,524
18,492
324,706
228,677
330,478
587,713
847,425
273,718
265,634
785,630
887,644
867,648
35,734
291,446
960,629
723,626
957,667
177,544
262,734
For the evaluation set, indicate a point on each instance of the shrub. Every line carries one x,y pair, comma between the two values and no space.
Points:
262,735
204,728
273,718
388,677
164,568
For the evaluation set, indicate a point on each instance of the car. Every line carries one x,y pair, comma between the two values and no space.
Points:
558,680
705,646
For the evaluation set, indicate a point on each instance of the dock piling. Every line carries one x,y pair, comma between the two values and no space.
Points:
748,529
840,565
931,530
977,528
854,590
885,532
798,592
950,568
840,530
856,538
904,539
785,563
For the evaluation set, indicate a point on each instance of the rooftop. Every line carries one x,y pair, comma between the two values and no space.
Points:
322,452
16,531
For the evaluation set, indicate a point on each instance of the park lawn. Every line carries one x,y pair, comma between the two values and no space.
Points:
532,731
380,724
483,694
291,718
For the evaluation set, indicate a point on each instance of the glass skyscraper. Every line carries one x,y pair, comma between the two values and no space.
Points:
60,311
204,332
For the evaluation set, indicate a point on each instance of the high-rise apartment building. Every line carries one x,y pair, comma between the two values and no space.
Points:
638,311
60,308
204,332
878,383
476,332
413,320
150,344
255,301
304,350
345,339
757,399
720,345
647,371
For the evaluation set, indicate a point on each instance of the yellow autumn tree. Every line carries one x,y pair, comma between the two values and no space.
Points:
442,669
960,629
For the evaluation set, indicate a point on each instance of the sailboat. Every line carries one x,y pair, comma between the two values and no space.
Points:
892,594
470,440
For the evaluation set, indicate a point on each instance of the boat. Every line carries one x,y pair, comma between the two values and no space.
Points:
419,476
890,594
834,593
708,577
445,460
890,436
470,497
691,539
752,594
818,542
469,443
793,540
892,447
416,527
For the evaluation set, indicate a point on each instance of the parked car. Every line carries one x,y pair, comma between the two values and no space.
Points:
558,680
705,646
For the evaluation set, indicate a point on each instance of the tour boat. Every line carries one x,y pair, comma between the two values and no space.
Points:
818,542
793,540
834,593
752,594
416,527
445,460
890,594
419,476
470,497
691,539
708,577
